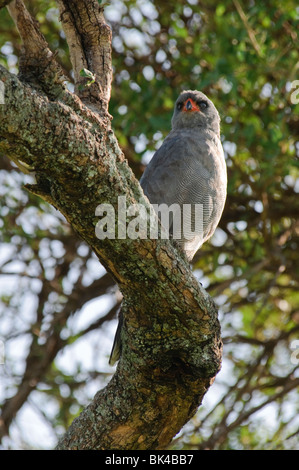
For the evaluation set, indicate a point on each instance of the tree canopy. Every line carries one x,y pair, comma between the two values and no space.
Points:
57,301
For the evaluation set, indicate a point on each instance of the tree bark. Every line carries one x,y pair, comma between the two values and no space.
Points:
3,3
171,335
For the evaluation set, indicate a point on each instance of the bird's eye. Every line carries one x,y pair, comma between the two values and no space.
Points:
179,106
203,105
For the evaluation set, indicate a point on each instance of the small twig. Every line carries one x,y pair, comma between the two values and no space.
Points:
250,31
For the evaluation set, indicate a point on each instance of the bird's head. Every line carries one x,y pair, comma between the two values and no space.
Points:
194,109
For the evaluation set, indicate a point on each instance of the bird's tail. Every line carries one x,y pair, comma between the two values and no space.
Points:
116,348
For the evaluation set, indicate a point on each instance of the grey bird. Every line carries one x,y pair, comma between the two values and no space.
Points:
188,169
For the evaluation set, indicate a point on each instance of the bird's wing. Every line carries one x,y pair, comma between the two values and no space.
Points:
184,171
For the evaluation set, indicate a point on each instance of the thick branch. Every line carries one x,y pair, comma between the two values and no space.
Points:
37,63
89,41
171,335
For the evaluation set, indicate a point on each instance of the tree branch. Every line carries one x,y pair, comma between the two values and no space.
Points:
251,33
4,3
41,356
89,41
37,63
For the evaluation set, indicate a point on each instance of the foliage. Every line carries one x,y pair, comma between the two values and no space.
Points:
245,58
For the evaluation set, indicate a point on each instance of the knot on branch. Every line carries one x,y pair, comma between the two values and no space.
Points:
183,343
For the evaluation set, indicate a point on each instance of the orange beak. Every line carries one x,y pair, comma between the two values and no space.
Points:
190,105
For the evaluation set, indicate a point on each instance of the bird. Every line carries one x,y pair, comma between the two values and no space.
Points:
188,169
